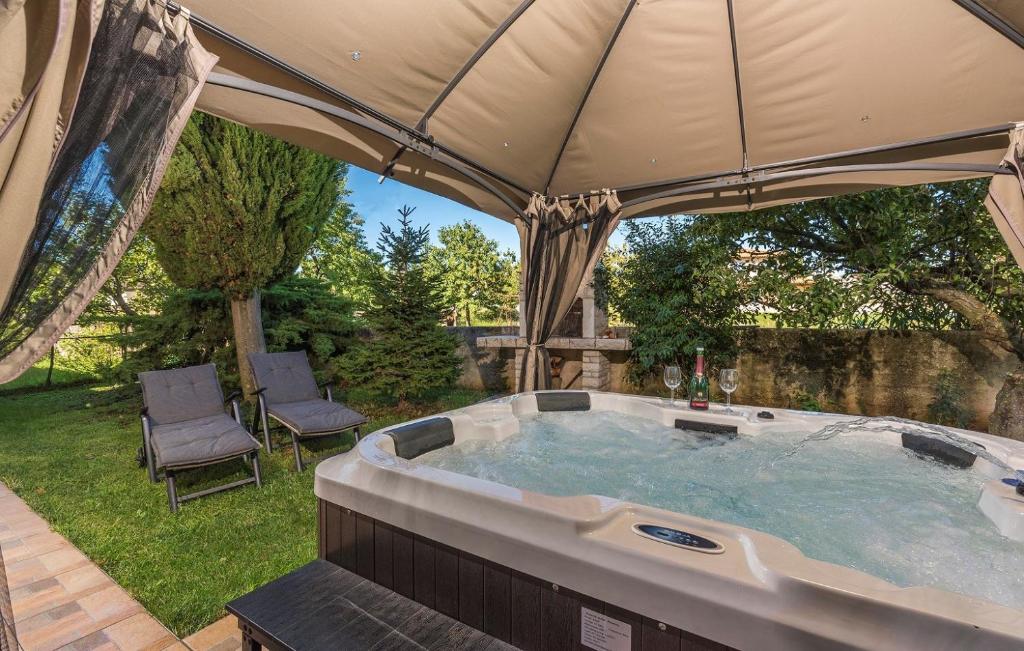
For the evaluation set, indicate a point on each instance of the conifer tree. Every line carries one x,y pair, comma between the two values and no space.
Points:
409,353
237,212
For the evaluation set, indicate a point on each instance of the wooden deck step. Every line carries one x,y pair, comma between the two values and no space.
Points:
324,606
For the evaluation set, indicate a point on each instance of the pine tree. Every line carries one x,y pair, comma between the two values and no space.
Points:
477,279
409,353
237,212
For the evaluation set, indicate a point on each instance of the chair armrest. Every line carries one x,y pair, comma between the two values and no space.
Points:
328,386
234,395
258,391
144,412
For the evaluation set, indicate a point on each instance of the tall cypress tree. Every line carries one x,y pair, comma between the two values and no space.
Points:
237,211
409,353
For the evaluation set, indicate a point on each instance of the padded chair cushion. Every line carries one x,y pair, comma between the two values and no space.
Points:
182,394
199,441
287,377
316,416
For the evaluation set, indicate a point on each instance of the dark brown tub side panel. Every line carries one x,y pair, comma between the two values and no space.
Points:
423,571
348,555
321,528
471,590
498,601
527,612
404,563
446,580
383,555
364,547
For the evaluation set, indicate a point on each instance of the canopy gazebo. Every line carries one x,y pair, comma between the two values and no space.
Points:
560,116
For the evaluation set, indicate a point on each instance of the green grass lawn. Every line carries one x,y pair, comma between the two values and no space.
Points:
70,454
35,378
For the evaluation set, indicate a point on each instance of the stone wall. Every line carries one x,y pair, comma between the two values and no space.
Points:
847,371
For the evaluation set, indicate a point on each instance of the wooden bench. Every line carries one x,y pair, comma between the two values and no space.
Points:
324,606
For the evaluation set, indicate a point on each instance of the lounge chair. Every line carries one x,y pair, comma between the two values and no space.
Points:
184,426
288,393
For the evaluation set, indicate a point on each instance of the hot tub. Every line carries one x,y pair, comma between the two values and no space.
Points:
884,538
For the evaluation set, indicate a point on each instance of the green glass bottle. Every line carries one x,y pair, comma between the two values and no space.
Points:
700,389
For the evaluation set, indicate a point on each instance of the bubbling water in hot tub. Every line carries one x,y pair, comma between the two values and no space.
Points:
894,424
856,501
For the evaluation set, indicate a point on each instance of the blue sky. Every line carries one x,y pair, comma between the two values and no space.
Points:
380,203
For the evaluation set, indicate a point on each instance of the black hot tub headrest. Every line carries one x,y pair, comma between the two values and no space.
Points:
423,436
940,451
563,401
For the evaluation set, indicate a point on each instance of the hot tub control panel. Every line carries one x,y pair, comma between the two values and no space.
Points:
678,538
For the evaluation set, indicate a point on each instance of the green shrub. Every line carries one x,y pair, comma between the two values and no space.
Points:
947,407
679,288
409,354
194,327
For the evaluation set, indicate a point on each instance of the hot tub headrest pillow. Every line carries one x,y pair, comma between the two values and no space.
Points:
563,401
423,436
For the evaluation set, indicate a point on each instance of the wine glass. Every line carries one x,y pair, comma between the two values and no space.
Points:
728,380
673,378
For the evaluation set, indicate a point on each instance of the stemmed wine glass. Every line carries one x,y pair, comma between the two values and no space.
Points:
673,378
728,380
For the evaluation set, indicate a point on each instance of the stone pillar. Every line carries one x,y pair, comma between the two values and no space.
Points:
596,371
595,319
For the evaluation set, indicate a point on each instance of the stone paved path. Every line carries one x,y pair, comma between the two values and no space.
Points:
61,599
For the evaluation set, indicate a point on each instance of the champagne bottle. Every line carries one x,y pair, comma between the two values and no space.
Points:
700,389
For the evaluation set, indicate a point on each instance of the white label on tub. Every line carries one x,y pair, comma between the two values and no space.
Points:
603,633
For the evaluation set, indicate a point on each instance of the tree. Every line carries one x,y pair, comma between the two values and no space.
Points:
409,353
340,255
194,327
924,257
680,288
237,211
476,279
137,287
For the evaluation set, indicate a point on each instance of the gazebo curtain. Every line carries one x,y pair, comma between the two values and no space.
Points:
561,241
1005,199
144,73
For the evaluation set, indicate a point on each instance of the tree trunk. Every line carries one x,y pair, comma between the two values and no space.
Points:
49,370
1008,417
247,320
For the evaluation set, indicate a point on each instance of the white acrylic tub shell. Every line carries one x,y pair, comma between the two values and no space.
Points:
760,593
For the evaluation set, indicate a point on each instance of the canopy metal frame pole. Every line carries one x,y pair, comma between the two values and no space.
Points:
739,95
395,135
422,123
992,20
823,158
586,93
413,134
745,181
739,179
410,138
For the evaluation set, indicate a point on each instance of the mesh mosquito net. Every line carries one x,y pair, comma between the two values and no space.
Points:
141,72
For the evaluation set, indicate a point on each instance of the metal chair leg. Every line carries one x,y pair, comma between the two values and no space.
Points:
266,424
298,453
355,431
172,493
147,448
256,469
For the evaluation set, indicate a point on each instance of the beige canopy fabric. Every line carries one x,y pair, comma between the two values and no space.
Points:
82,168
561,241
562,97
1005,199
43,48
